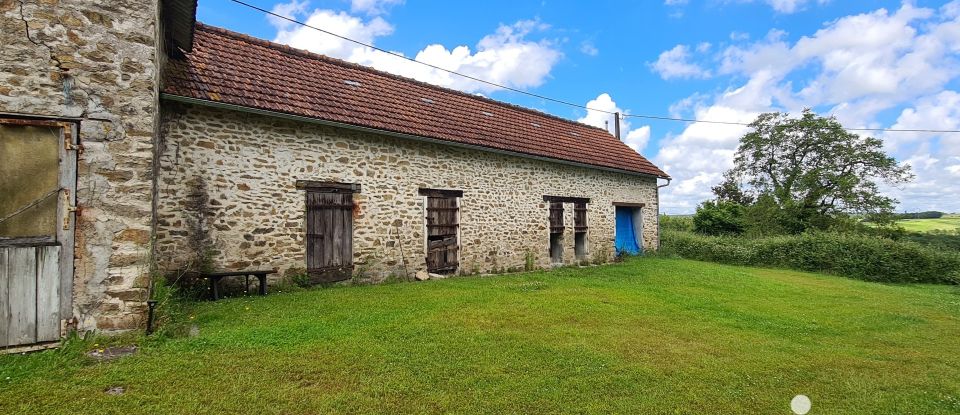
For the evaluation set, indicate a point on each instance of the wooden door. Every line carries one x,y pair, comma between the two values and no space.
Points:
38,183
443,246
329,220
556,217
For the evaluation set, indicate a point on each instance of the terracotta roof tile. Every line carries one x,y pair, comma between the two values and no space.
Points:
237,69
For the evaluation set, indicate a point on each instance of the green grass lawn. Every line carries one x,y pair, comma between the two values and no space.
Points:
647,336
945,223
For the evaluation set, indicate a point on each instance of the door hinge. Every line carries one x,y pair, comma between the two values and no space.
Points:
68,208
68,143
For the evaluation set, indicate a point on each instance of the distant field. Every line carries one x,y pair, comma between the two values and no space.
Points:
946,223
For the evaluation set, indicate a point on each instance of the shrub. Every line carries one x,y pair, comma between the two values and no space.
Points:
719,218
940,239
850,255
676,223
170,314
301,280
930,214
529,261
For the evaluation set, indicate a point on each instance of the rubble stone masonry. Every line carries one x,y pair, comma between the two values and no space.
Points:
252,215
95,61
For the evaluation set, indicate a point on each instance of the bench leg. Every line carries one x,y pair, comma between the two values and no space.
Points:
214,288
263,284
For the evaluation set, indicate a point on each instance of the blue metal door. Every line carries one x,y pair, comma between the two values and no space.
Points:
626,238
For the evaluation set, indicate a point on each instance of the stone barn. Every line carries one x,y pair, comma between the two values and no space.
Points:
135,142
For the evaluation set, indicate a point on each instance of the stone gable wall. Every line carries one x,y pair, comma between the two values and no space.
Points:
96,61
252,216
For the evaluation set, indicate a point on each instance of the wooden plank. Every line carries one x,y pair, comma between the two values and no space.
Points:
310,230
68,181
580,217
29,348
565,199
254,272
319,230
4,297
442,243
22,293
48,293
316,231
35,122
440,192
449,215
327,222
328,187
346,226
336,224
556,217
347,243
431,217
28,241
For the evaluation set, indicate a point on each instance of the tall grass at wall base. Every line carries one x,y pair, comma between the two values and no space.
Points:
863,257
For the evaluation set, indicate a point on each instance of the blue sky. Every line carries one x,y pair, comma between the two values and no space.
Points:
871,63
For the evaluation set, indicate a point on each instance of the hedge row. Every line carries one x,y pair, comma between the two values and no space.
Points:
849,255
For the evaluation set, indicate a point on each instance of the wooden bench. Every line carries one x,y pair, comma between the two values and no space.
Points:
215,278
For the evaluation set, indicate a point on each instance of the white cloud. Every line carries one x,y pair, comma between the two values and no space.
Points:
675,63
786,6
739,36
599,115
340,23
935,112
373,7
588,48
289,10
857,67
637,138
934,157
507,56
675,2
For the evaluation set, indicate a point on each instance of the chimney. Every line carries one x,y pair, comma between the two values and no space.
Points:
616,125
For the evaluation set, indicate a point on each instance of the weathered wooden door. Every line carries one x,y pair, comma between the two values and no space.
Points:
37,194
443,247
329,234
556,232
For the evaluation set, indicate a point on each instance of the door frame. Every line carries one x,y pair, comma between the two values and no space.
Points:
66,207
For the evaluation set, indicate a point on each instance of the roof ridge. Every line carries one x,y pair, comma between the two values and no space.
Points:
313,55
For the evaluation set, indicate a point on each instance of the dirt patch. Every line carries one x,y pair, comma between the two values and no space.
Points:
111,353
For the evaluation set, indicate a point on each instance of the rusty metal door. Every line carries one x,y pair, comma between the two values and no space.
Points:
329,220
38,186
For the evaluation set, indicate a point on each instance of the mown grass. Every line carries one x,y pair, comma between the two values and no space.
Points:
945,223
651,335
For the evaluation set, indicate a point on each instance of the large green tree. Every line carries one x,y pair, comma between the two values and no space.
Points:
810,169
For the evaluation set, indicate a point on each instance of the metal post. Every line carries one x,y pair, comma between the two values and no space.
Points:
151,305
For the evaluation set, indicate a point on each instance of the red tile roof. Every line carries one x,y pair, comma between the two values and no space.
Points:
237,69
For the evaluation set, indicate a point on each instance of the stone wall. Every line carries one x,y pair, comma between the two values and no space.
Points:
251,214
94,61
